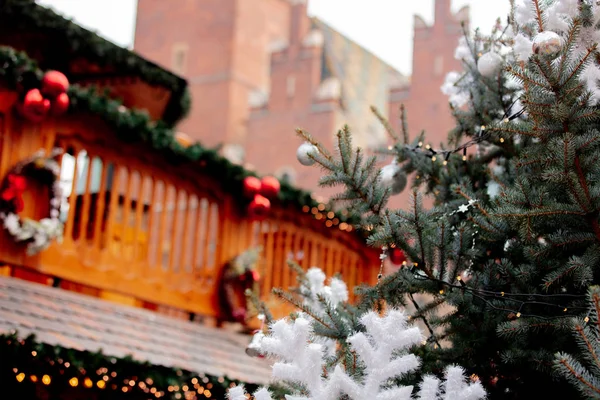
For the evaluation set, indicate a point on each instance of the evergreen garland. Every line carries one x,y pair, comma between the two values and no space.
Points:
28,367
19,72
70,41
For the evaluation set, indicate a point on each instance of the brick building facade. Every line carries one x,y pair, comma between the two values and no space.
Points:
260,68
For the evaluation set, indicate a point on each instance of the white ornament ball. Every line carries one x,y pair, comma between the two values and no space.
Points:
490,64
393,177
547,43
303,154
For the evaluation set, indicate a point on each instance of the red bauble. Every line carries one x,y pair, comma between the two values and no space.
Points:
259,208
397,256
35,107
269,187
60,104
54,83
251,186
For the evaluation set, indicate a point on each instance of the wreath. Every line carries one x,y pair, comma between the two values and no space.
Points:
240,274
37,234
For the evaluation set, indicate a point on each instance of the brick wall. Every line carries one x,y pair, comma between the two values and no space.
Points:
253,81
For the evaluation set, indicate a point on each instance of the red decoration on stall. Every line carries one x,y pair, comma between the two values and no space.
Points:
251,186
35,107
269,187
13,192
54,83
51,99
60,104
259,208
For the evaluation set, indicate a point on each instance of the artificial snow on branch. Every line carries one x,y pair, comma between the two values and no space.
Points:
382,355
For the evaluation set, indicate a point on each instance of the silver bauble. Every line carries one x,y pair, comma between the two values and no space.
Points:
303,154
547,43
490,64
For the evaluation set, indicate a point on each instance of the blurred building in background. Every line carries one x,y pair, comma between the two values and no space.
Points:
260,68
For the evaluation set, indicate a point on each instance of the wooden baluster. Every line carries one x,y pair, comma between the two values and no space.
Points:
285,269
306,249
183,270
240,238
344,266
148,262
100,205
328,248
160,270
315,254
225,218
269,254
137,229
338,267
197,256
298,247
249,234
85,208
68,230
176,222
211,233
112,209
126,211
278,266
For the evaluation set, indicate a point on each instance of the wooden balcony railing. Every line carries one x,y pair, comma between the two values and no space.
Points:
141,226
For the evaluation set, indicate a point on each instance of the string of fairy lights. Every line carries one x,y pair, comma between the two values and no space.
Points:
45,366
482,136
522,300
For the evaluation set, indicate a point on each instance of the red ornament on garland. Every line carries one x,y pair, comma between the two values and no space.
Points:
54,83
259,208
14,191
60,104
269,187
397,256
251,186
35,107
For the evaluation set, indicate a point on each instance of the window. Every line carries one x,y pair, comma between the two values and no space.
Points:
179,62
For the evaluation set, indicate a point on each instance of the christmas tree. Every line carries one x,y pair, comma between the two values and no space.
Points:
512,244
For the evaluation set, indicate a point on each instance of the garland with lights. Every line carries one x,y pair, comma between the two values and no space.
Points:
133,126
28,367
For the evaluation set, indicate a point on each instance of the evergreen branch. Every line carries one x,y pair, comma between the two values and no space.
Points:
571,36
419,230
592,218
425,321
541,213
307,137
526,79
580,64
404,124
563,361
299,305
589,346
383,121
539,15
